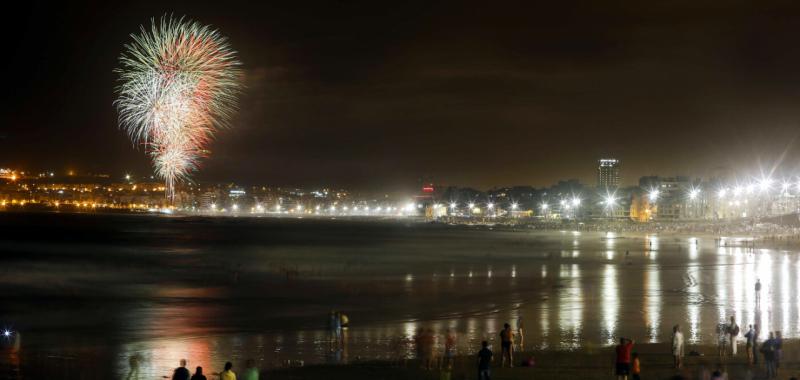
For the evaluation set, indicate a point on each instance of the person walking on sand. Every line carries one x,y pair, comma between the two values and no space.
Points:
733,333
677,346
623,351
750,336
484,361
507,345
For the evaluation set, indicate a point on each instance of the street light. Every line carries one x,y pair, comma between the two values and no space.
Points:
653,195
693,193
514,206
765,184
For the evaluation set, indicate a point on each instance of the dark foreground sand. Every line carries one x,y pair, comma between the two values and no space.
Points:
656,363
584,365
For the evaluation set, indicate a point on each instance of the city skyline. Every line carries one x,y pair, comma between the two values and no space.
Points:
433,91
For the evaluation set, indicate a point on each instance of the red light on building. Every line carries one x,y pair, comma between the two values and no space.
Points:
427,189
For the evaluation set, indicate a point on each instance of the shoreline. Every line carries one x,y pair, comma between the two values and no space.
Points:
585,364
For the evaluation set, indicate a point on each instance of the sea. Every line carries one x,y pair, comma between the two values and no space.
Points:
127,296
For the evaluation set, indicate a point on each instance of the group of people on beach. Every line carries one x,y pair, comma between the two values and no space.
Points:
182,373
508,337
425,347
627,362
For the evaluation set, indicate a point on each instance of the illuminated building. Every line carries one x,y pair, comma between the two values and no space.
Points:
608,173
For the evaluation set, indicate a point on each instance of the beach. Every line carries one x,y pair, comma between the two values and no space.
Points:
104,288
655,360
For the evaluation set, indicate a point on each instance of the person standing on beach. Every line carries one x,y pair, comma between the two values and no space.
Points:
750,336
778,343
733,333
332,334
768,350
637,369
521,335
624,358
181,373
198,374
756,332
228,373
449,349
430,343
337,326
484,361
758,291
250,371
507,344
677,346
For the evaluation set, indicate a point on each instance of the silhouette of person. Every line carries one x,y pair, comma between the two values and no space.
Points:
198,374
181,373
758,291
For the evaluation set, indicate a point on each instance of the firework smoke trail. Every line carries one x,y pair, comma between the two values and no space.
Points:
179,82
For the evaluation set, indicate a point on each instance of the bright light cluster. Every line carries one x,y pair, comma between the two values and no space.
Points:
179,81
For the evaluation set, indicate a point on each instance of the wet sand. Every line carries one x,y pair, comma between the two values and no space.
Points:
89,291
656,363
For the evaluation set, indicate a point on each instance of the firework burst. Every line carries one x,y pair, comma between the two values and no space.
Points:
178,85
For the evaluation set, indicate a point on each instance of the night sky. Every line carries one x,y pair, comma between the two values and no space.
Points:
375,95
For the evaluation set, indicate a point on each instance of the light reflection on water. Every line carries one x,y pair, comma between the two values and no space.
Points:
652,286
610,303
717,284
573,290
